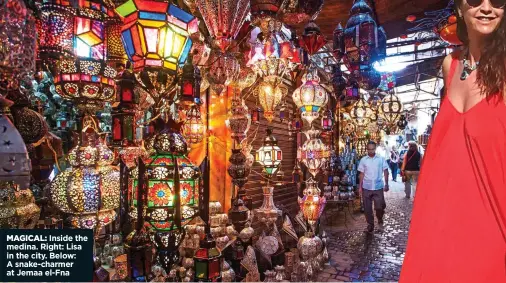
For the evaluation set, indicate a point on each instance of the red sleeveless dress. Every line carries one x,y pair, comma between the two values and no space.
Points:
458,226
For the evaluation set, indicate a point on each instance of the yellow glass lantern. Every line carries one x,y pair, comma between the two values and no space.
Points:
312,204
193,127
270,95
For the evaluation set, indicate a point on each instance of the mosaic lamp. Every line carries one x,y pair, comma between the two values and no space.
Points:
224,19
314,154
310,97
86,80
55,30
207,261
156,37
269,155
89,190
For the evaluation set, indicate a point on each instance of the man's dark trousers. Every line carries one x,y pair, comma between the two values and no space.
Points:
378,198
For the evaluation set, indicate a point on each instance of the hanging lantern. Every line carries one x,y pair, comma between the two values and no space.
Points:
246,78
115,49
295,125
267,213
361,146
387,82
314,153
269,156
390,109
402,123
223,19
339,82
352,91
240,120
190,84
447,30
193,127
297,173
200,52
238,169
223,71
207,261
310,96
361,113
312,204
364,41
124,111
269,96
55,30
369,79
312,39
255,115
300,11
338,40
328,121
89,189
156,34
15,163
173,182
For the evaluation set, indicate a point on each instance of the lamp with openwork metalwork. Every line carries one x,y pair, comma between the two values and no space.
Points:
89,190
362,113
223,71
269,155
269,96
300,11
312,204
390,109
328,121
223,19
193,128
190,84
55,30
310,96
239,121
314,154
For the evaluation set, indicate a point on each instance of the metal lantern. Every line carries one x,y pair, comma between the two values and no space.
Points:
193,127
362,113
338,42
239,169
300,11
312,39
156,34
55,30
190,84
361,146
328,121
312,204
173,182
223,18
369,78
115,50
269,156
207,261
261,9
352,91
223,70
310,96
314,154
390,109
17,207
364,41
402,123
15,163
89,189
125,111
240,120
339,82
270,95
267,213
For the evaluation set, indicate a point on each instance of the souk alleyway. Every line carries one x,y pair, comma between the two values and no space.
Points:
358,257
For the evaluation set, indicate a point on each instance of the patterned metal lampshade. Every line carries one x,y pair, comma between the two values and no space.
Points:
270,95
89,189
269,155
312,40
390,109
56,30
314,154
300,11
261,9
156,34
239,121
310,96
223,71
223,19
173,182
362,113
193,127
312,204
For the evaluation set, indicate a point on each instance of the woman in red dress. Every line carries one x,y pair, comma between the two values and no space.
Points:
458,228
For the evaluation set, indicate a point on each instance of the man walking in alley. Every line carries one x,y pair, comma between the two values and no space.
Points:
372,170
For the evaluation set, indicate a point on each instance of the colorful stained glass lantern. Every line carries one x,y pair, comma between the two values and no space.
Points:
223,19
89,190
310,96
269,156
269,96
156,34
207,261
352,91
193,127
314,154
55,30
328,121
173,182
190,84
124,111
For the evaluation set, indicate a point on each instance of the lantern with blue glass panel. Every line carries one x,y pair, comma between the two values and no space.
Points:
156,37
